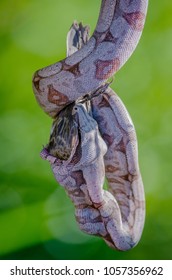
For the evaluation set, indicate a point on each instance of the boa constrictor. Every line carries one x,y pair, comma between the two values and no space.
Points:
104,142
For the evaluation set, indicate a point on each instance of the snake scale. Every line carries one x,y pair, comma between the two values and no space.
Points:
92,136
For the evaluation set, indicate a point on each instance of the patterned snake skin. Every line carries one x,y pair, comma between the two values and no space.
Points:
105,140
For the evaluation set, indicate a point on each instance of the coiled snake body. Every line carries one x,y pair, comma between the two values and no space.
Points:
93,136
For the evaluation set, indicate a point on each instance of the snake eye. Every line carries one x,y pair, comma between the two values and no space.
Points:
75,109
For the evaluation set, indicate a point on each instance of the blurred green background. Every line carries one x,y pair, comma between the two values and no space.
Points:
36,217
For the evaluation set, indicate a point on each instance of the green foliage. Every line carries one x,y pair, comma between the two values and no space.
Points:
36,217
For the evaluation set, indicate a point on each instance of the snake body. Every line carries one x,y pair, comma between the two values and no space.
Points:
105,139
117,33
